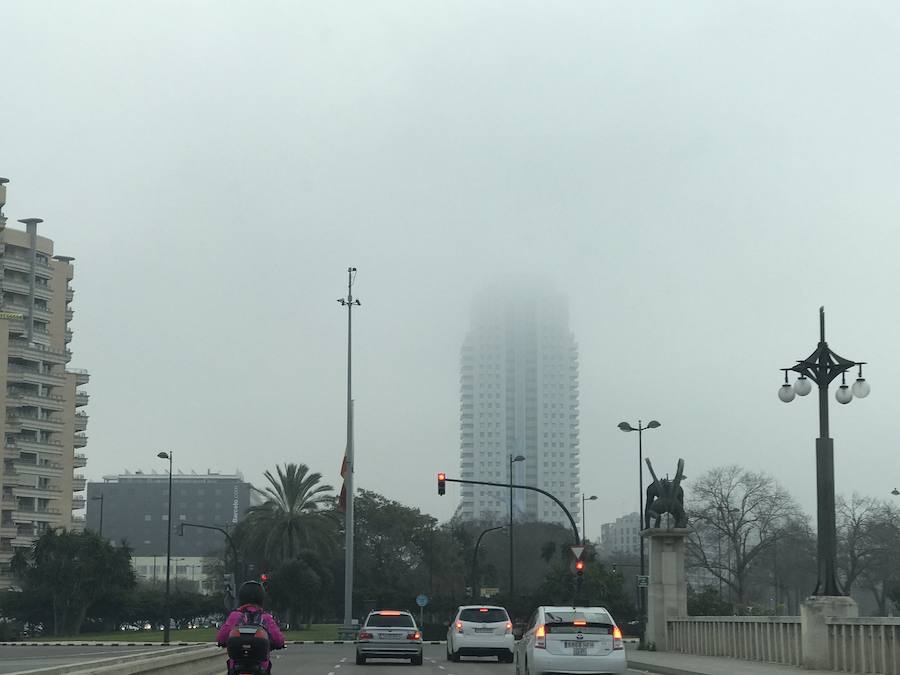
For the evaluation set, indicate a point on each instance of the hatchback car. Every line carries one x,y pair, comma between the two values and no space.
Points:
571,640
477,630
389,634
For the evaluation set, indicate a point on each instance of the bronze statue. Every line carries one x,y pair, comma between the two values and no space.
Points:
665,496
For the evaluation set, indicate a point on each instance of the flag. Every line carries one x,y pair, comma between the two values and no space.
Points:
342,499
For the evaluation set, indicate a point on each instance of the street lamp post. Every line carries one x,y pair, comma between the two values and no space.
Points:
584,500
476,592
517,458
168,456
625,426
823,366
350,458
100,499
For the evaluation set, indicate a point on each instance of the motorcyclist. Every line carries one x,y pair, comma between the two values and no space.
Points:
251,597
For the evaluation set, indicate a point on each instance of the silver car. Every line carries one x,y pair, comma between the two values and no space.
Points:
389,634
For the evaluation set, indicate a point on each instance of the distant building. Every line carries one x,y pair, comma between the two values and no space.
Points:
622,536
188,573
519,396
43,420
136,508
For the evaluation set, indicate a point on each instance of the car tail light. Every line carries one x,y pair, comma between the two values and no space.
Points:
540,637
483,609
365,636
459,627
509,626
579,623
414,636
389,612
617,638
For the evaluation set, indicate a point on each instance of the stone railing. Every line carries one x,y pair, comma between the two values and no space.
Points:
754,638
864,645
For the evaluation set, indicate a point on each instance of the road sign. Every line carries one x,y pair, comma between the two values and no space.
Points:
643,580
422,600
577,551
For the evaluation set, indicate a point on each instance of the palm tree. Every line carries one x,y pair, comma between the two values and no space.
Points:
294,516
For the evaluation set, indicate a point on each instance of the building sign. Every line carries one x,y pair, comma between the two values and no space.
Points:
237,505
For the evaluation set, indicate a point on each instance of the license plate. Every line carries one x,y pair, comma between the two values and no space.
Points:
578,648
386,636
484,630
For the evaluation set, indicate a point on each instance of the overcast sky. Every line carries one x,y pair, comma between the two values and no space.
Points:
698,177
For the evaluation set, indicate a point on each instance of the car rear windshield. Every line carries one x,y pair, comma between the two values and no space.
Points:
390,621
570,618
484,615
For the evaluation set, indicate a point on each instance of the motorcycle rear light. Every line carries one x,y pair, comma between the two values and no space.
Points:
459,627
540,637
617,638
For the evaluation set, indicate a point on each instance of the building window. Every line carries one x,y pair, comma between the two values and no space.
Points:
148,517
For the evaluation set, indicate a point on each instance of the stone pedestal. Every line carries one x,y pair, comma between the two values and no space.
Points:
667,590
813,630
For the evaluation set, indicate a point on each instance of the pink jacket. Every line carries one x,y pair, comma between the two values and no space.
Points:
276,637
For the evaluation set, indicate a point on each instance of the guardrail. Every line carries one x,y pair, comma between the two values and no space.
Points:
864,645
775,639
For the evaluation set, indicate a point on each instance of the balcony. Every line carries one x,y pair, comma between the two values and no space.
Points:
78,483
8,529
43,421
26,514
80,461
70,294
68,336
17,373
32,445
81,376
11,451
81,440
35,352
43,470
78,503
81,398
27,398
81,421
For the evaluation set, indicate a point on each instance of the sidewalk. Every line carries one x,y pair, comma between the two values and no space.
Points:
673,663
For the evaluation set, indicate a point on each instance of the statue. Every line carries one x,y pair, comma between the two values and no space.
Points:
665,496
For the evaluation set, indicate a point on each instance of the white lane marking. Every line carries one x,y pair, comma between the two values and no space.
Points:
337,665
343,659
331,673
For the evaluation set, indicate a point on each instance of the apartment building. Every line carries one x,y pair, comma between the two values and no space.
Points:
43,428
623,536
519,400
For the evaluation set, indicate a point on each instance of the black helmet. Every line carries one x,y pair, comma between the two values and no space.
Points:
251,593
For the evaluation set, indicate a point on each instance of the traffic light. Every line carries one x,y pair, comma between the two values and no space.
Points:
442,486
579,568
264,580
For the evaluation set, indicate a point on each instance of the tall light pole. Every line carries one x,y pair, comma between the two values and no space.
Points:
625,426
822,367
100,499
476,591
349,303
584,500
168,456
517,458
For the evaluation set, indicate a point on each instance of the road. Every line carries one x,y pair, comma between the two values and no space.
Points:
339,659
16,659
305,659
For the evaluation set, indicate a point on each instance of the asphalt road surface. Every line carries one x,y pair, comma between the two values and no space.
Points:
339,659
17,659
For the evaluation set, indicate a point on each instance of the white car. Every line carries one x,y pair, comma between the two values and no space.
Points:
480,630
571,640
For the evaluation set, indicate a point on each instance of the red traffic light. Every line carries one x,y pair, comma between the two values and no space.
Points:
442,486
579,567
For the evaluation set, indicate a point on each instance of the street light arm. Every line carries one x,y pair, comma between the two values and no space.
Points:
524,487
217,529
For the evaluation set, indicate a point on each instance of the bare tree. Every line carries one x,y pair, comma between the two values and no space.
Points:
881,576
857,526
737,516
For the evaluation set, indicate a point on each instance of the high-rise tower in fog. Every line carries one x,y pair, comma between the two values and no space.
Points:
519,396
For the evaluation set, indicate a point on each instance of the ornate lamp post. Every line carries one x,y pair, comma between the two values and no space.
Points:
823,366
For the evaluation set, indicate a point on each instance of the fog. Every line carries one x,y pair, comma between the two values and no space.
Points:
697,178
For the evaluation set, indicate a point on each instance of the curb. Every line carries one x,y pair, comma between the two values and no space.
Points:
350,642
659,670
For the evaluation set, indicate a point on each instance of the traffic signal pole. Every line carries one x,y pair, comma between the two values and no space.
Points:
442,478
